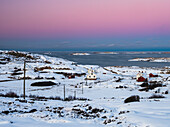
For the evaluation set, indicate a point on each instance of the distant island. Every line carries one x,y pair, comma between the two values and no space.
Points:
106,53
81,54
151,59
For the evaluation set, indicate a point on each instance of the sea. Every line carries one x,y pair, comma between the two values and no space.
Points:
119,59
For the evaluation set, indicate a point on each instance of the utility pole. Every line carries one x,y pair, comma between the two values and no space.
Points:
82,88
64,92
24,78
74,94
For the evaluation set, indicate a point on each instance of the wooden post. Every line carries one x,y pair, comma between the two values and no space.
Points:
64,92
82,88
24,79
74,94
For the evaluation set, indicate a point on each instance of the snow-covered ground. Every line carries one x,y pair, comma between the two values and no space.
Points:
97,102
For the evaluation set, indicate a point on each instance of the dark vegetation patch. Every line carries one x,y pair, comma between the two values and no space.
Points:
3,62
104,117
156,96
62,68
27,77
123,112
71,74
6,112
71,98
150,86
119,122
45,83
38,77
11,77
80,111
110,70
119,79
22,100
19,54
120,87
47,62
5,59
7,80
113,72
32,110
87,113
166,92
50,78
9,94
43,72
107,121
16,69
82,114
41,98
36,69
16,73
134,98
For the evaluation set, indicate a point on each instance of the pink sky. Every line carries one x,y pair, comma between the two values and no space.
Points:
83,18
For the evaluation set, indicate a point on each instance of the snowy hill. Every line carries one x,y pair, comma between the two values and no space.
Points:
97,103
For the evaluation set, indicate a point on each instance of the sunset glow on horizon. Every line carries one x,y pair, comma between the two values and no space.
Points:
71,19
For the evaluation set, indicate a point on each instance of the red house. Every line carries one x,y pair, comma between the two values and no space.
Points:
141,79
152,75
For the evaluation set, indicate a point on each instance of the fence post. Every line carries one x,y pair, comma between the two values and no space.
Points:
64,92
74,94
82,88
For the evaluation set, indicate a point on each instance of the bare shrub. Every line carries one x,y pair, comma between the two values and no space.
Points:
11,94
156,96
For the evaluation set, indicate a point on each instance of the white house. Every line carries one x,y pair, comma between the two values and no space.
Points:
139,75
91,75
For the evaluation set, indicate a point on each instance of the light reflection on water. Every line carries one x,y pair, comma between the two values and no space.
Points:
120,59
